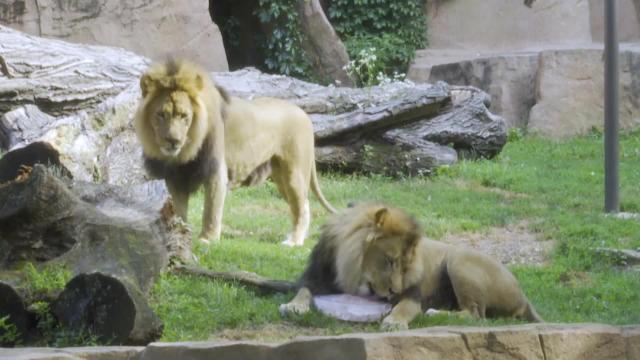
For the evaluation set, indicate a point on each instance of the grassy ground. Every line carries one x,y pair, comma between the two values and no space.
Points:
555,187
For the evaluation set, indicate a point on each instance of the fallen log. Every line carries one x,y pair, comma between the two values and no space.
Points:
82,99
115,241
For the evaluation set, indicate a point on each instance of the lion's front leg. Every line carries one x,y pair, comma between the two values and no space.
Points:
401,315
215,191
180,200
300,304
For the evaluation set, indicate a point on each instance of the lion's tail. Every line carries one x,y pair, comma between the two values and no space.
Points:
242,277
315,187
530,313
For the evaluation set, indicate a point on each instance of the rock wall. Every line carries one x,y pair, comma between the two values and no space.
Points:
557,92
543,342
507,25
153,28
543,66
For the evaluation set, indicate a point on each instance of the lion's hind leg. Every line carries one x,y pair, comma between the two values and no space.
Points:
470,294
294,189
300,304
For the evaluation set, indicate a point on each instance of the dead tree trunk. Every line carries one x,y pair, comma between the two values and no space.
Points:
327,51
116,241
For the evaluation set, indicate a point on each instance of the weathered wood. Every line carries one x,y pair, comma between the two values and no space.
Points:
103,234
111,307
95,135
12,305
469,127
60,77
328,53
405,108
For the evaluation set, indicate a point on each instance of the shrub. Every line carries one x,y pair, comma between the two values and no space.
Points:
389,30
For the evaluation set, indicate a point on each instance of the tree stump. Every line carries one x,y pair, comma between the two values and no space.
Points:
116,241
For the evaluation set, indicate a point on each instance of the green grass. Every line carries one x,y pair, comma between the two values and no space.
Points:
556,187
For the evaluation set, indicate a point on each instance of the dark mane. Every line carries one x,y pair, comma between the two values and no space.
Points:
188,176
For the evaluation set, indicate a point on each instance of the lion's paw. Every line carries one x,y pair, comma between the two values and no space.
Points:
391,324
293,308
290,242
208,240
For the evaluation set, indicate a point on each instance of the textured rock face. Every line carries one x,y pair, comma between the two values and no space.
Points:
531,342
553,92
153,28
509,78
570,92
507,25
504,25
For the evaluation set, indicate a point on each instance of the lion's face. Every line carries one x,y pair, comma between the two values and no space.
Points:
390,252
171,115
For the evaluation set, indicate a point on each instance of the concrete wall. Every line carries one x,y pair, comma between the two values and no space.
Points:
509,25
152,28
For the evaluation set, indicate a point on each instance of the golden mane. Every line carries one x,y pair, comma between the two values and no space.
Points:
164,79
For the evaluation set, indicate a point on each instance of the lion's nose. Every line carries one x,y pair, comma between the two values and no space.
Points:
172,141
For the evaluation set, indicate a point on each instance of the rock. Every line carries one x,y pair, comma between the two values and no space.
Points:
77,353
554,92
509,342
509,78
587,341
570,91
632,337
151,28
508,25
539,341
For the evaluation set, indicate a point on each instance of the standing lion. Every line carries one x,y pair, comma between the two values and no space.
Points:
192,134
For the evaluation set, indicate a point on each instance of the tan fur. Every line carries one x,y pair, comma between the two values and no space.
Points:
381,248
358,243
482,286
251,140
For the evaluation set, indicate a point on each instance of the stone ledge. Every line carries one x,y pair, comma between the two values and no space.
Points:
553,90
531,341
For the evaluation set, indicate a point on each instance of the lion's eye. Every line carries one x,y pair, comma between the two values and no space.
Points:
160,116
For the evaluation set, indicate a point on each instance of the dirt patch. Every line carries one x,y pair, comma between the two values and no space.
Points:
461,184
511,245
269,333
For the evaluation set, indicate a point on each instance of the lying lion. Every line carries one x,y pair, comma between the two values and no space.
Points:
193,134
380,249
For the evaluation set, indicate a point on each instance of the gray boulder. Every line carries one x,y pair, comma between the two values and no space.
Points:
151,28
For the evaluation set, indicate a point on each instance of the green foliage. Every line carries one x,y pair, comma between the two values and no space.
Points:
376,60
515,134
54,335
553,187
9,334
46,279
394,29
283,49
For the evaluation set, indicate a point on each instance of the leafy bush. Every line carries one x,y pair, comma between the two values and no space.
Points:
9,334
394,29
283,49
376,60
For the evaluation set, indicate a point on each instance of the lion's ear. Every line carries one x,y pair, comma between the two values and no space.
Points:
380,217
146,84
